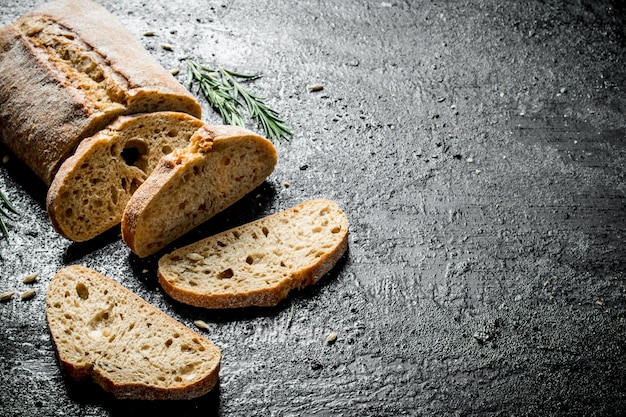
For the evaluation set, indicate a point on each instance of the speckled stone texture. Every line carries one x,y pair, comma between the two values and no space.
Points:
479,151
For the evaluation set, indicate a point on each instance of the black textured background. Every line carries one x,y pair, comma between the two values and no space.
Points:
478,149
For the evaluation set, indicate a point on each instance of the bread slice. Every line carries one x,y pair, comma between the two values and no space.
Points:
90,191
129,347
69,68
257,264
189,186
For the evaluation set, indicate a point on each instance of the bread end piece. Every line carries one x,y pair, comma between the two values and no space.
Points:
220,166
259,263
129,347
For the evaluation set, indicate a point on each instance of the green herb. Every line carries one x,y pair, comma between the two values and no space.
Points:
5,203
223,90
290,317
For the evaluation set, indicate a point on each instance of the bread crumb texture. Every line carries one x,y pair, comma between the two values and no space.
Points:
260,262
129,347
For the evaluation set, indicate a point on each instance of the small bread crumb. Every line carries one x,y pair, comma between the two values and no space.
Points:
331,338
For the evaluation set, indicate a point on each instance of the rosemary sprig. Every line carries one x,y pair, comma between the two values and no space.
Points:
5,203
223,90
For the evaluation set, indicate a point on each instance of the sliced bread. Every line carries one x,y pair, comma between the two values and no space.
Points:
257,264
69,68
90,191
189,186
129,347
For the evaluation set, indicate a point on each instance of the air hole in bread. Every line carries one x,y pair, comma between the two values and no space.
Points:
317,229
82,290
265,231
227,273
221,244
166,149
249,260
132,153
336,229
168,342
172,133
225,161
69,212
236,234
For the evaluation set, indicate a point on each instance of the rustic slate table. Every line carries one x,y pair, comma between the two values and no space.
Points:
478,149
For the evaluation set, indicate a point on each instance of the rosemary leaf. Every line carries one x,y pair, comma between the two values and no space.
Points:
224,92
7,203
4,202
3,226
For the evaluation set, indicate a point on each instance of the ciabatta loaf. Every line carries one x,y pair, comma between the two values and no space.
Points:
132,349
69,68
189,186
257,264
90,191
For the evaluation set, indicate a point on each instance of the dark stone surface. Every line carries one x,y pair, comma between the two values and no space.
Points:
478,149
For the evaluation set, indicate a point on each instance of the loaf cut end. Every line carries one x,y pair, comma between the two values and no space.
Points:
132,349
89,193
193,184
257,264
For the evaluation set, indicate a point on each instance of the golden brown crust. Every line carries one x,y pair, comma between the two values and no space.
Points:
41,120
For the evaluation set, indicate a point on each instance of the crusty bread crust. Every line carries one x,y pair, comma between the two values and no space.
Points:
41,120
264,259
189,186
132,349
68,69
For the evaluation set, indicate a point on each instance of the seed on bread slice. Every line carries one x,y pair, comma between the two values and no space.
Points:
189,186
89,193
132,349
257,264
